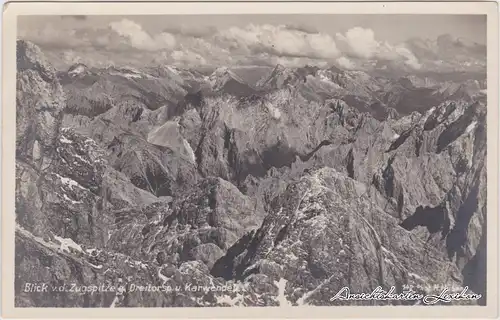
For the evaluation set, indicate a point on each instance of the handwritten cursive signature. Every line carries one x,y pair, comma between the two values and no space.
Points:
377,294
380,294
447,296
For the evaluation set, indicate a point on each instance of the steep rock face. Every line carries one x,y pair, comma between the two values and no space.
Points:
40,101
224,80
67,211
72,197
408,167
162,169
89,277
200,225
169,135
50,158
237,141
121,117
279,78
323,234
412,179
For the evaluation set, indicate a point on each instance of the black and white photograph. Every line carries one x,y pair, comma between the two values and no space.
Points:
251,160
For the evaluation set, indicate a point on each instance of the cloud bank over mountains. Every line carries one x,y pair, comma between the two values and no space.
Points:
126,42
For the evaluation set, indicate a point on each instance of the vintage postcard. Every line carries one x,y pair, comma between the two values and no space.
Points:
250,160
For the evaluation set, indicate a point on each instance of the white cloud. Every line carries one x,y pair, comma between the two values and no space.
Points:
357,48
359,42
324,44
51,35
398,53
188,57
278,40
206,48
71,57
409,57
345,63
139,38
296,62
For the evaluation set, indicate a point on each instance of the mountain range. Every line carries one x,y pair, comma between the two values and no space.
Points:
284,185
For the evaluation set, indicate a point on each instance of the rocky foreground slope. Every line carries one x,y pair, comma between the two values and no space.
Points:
127,180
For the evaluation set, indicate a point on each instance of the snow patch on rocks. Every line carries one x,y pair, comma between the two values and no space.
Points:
67,243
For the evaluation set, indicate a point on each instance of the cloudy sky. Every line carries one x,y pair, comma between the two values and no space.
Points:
411,42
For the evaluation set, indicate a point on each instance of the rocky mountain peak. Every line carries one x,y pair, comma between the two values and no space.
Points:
279,68
221,74
225,80
77,69
224,72
40,102
30,57
280,77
